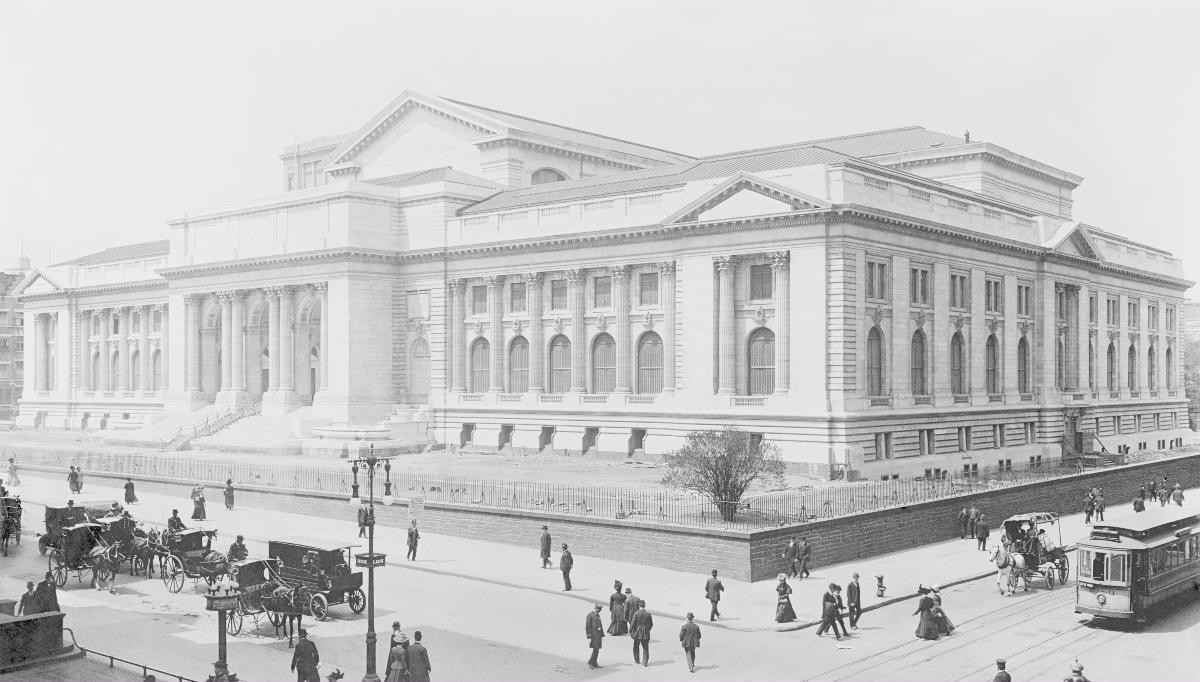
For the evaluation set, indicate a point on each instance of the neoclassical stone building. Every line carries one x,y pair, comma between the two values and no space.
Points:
900,302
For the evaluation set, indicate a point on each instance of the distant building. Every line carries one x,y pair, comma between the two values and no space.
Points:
1191,320
12,340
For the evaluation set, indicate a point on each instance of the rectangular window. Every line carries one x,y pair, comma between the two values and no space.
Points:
1171,319
648,288
964,438
602,292
993,214
1024,299
1030,432
998,435
1152,317
876,280
558,294
927,443
994,296
1092,309
919,286
1035,462
971,470
959,205
1112,315
761,281
516,297
1060,305
1132,314
883,445
1004,465
479,300
959,291
875,183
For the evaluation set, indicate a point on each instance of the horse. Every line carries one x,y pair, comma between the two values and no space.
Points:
1006,563
142,549
105,560
9,530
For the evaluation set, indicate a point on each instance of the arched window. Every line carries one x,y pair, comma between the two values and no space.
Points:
1058,364
604,364
874,362
1131,375
518,365
156,369
1170,359
560,364
917,361
1151,369
958,356
480,365
760,355
1091,366
992,358
1023,366
543,175
650,363
418,372
1113,382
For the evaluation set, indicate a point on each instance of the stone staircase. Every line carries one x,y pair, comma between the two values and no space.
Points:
178,433
277,435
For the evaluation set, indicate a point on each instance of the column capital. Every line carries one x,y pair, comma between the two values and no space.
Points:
84,314
193,299
725,263
493,281
618,272
320,287
779,259
225,297
120,312
532,279
1025,327
667,267
1114,336
455,284
575,276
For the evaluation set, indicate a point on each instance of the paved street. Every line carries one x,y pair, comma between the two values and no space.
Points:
484,624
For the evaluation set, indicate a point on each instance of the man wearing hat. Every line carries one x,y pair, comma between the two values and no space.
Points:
689,637
565,562
305,659
1076,673
854,601
238,551
1001,674
175,524
46,594
829,612
639,631
982,530
546,563
593,629
712,590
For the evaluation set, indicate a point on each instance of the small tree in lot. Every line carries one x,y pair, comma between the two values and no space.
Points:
722,464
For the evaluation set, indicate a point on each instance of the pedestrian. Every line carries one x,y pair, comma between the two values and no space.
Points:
841,606
963,523
712,591
73,481
1089,508
805,555
618,623
397,668
689,637
1152,489
1139,505
593,629
792,556
565,563
197,504
46,599
1001,674
14,479
418,660
973,519
1177,495
944,625
926,626
982,530
363,520
1142,493
545,552
305,659
784,613
229,494
28,605
414,536
130,497
397,635
1100,505
1076,673
631,601
1164,492
854,601
829,612
643,622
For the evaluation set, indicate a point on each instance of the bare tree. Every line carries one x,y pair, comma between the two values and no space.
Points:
722,464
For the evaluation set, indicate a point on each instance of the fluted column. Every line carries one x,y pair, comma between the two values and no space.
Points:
226,301
1124,338
272,338
193,342
781,266
43,354
124,318
287,345
667,270
495,293
85,351
575,280
144,351
164,337
105,358
620,278
537,344
726,329
322,289
456,365
237,341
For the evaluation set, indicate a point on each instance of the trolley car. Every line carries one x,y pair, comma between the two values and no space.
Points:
1129,567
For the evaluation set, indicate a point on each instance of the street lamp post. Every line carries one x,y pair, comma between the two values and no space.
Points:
221,597
370,464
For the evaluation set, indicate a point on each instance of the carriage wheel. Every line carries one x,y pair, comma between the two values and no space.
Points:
276,618
1064,570
59,569
318,607
172,573
357,600
233,622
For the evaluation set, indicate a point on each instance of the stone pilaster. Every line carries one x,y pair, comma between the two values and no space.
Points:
144,349
781,269
726,327
667,270
455,338
579,344
620,279
537,343
123,321
495,294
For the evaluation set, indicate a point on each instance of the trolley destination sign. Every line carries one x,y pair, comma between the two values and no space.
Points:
368,560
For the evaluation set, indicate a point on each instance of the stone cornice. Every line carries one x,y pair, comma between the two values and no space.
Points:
304,257
992,157
77,292
555,150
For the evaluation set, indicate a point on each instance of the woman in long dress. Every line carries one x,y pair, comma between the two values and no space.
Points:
130,497
397,668
926,626
616,608
783,609
229,493
198,511
944,625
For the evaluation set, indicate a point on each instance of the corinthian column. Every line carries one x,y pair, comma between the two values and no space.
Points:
105,358
726,329
124,319
322,289
667,269
575,280
193,342
39,347
286,340
144,351
456,366
781,266
272,295
237,341
85,351
495,292
226,301
620,277
537,345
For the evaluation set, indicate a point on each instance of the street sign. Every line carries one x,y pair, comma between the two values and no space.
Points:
221,603
416,505
366,560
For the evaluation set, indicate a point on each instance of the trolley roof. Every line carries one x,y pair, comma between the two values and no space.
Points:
1150,519
319,544
1035,517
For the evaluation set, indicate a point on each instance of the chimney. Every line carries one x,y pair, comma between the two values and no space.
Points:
967,136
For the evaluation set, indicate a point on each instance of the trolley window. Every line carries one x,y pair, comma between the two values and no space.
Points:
1104,566
1174,555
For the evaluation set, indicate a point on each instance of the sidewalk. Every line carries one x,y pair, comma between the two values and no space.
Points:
745,606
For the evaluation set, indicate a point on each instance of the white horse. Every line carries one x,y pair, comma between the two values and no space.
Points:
1006,563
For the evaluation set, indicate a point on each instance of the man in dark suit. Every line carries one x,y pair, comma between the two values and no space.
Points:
1001,674
414,536
643,622
791,556
631,602
565,563
546,563
418,660
689,637
29,601
962,523
305,659
712,590
593,629
175,524
805,555
829,612
973,519
854,601
982,530
238,551
46,594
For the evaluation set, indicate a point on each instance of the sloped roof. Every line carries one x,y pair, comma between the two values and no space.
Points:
651,179
568,134
442,174
159,247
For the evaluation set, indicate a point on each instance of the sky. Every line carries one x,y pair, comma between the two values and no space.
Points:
119,116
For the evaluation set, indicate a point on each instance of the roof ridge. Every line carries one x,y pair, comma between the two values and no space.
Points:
165,244
812,143
565,127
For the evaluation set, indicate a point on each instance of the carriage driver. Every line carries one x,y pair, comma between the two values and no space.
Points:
1046,541
238,551
174,523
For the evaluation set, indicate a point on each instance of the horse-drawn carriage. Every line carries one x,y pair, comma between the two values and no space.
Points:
323,571
1031,547
189,554
58,518
263,591
10,522
81,549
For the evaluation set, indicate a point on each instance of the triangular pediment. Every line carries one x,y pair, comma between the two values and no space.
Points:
745,195
36,282
1077,243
